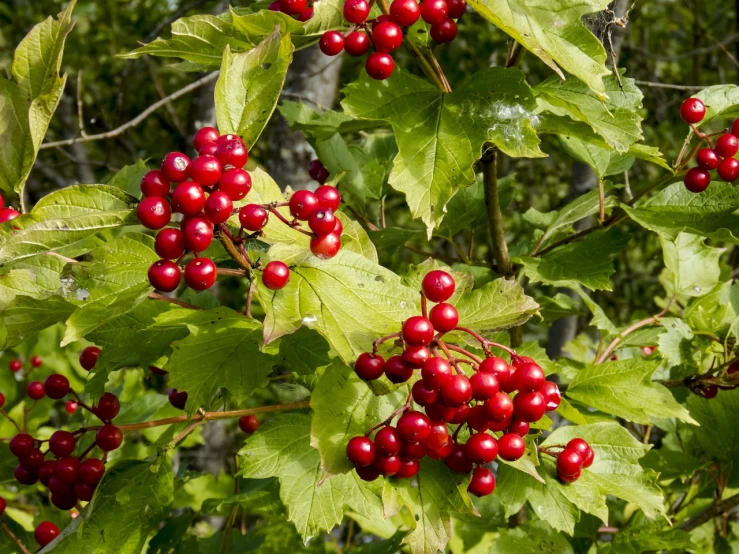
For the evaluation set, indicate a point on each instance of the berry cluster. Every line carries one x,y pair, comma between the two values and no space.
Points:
387,30
297,9
718,155
573,458
483,402
6,214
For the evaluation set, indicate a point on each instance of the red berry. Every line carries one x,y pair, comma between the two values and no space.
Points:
433,11
387,37
648,350
461,414
456,8
551,394
708,391
357,43
339,229
367,473
481,448
331,43
188,199
293,7
444,317
275,275
499,407
529,406
484,386
327,246
413,426
218,207
208,149
68,470
528,377
2,505
707,159
70,407
457,460
423,395
56,386
200,273
436,372
443,32
404,12
697,180
438,435
692,110
33,461
728,170
204,135
233,152
177,399
169,243
416,355
157,370
418,331
317,171
438,286
253,217
108,437
176,167
2,400
198,233
360,451
442,452
205,170
45,532
62,443
89,357
235,182
35,390
154,183
356,11
511,447
92,471
302,204
456,391
305,15
397,369
413,451
328,197
439,412
36,361
387,465
25,476
569,462
154,212
226,138
164,275
15,366
107,407
482,482
248,423
6,214
383,18
496,426
47,471
379,65
408,469
369,367
498,367
727,145
583,448
322,222
82,492
387,441
735,128
59,487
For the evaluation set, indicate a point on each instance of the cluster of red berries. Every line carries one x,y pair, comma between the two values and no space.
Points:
573,458
708,389
387,31
297,9
6,214
218,169
35,389
718,155
482,402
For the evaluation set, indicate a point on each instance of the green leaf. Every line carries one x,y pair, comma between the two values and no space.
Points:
30,99
675,345
249,87
624,388
722,102
616,119
691,267
26,316
498,305
466,210
349,299
675,210
719,433
129,178
221,352
532,537
282,449
589,261
169,537
260,497
553,31
304,352
338,418
602,160
133,498
68,216
640,536
442,134
431,498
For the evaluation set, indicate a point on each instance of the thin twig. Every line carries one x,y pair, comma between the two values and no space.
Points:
157,296
14,422
716,509
13,538
495,216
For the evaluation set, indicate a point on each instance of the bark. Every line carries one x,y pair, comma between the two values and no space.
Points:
312,78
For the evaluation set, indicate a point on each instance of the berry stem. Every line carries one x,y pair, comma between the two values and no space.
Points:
424,306
25,415
249,296
238,254
545,450
81,457
16,540
452,359
404,408
470,355
182,434
79,401
157,296
293,224
10,419
484,341
378,342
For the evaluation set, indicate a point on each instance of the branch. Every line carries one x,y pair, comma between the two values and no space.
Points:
15,539
495,217
158,296
716,509
136,120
